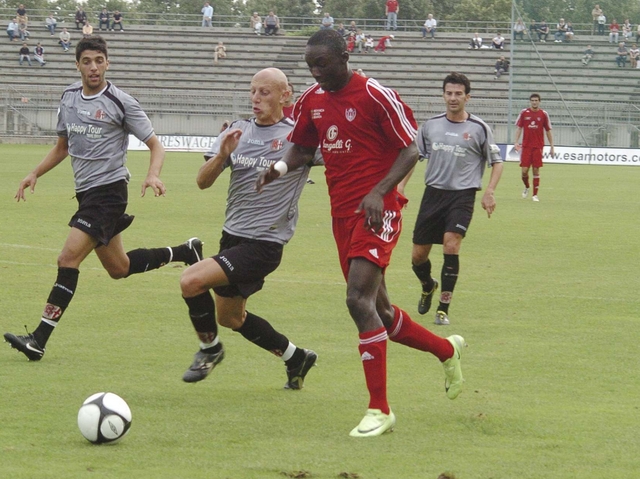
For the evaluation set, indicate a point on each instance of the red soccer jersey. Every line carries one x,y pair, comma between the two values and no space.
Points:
533,124
360,129
392,6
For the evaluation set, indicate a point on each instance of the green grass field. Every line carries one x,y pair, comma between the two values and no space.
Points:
547,300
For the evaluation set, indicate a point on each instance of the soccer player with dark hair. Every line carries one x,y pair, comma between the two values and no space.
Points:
256,228
94,122
531,124
366,134
458,146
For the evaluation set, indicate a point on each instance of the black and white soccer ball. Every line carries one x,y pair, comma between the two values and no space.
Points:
104,418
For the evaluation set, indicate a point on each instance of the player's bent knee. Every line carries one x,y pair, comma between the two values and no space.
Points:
230,321
191,285
117,272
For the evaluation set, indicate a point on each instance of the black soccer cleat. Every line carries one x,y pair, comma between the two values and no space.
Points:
295,376
26,344
425,299
195,250
203,364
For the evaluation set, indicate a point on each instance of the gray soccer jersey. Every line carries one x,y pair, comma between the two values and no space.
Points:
272,214
97,129
457,152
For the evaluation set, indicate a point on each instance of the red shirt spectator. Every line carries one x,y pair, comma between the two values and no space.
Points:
392,6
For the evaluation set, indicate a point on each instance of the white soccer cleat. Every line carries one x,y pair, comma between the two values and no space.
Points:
374,423
525,192
535,198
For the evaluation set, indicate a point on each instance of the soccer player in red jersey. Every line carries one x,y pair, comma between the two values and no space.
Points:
367,136
533,121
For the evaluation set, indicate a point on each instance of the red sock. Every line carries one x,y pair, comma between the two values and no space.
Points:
536,185
405,331
525,180
373,351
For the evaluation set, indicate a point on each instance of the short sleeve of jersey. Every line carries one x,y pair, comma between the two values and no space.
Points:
136,120
520,120
396,118
304,132
423,142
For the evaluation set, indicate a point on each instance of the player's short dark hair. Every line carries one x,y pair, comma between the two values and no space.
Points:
96,43
330,39
457,79
535,95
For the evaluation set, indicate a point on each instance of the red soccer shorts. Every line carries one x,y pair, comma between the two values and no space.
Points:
354,240
531,157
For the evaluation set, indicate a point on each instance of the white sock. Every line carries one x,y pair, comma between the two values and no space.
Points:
288,353
215,341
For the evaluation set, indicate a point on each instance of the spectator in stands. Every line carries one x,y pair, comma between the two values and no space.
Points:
391,10
638,33
341,30
634,53
21,14
533,29
103,19
352,27
429,27
65,39
543,31
351,42
207,14
623,53
476,42
614,31
561,31
595,15
80,19
271,24
12,29
38,54
117,21
518,30
627,30
498,42
368,44
256,23
361,73
501,66
383,43
219,52
588,55
327,22
87,30
24,54
568,36
23,33
602,21
51,23
361,38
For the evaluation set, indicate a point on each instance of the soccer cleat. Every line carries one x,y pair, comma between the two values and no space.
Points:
26,344
295,376
425,298
525,192
195,248
374,423
441,319
452,370
535,198
203,364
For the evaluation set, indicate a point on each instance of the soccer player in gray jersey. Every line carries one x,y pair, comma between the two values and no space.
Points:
458,146
94,122
256,228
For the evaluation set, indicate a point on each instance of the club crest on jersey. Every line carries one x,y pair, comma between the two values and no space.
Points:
100,115
277,145
466,136
350,114
332,133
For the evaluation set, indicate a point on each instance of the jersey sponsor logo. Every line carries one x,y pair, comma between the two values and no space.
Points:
332,133
253,141
455,149
350,114
277,145
100,115
316,113
89,131
260,163
533,125
332,145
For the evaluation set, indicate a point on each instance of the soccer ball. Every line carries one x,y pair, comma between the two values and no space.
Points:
103,418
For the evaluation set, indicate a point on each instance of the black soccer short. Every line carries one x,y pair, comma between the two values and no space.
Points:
101,211
443,211
246,263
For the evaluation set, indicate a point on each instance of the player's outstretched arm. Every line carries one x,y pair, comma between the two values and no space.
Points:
155,167
372,203
55,156
209,172
489,199
295,157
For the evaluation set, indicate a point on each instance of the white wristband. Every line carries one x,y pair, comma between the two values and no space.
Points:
281,167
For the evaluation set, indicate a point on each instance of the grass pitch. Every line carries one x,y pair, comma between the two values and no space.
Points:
547,299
